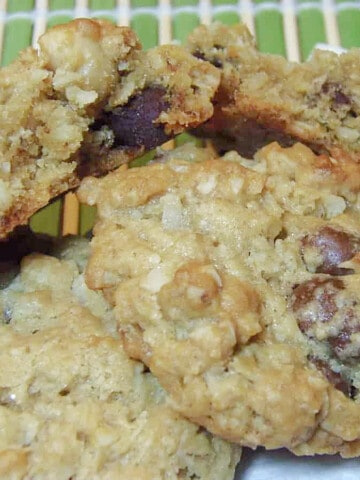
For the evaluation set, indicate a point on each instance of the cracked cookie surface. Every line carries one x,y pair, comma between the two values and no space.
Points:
72,403
236,282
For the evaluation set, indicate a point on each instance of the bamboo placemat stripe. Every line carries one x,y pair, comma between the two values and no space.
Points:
2,25
291,31
247,15
286,27
39,28
70,218
124,14
331,25
19,8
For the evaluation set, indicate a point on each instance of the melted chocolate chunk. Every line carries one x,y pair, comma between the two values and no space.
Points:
335,247
134,123
341,344
214,61
317,302
246,136
335,378
199,54
341,99
320,292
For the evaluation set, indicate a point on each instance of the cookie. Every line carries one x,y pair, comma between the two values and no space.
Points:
88,100
264,97
237,283
72,403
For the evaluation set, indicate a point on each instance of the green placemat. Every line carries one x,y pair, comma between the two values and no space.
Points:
349,26
17,31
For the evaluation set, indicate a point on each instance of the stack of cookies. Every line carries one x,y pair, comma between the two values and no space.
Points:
217,303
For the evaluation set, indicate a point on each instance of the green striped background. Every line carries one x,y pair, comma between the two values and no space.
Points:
268,25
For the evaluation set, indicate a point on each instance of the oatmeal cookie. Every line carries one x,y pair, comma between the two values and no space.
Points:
72,403
264,97
237,282
86,101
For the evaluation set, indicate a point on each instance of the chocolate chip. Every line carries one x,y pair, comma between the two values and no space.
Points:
64,392
334,90
321,294
341,343
335,378
326,315
134,123
216,62
335,247
341,99
246,136
201,56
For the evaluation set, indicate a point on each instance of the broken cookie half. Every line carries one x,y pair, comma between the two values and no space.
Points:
88,100
264,97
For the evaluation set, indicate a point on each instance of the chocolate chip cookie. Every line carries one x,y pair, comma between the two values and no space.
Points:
264,97
72,403
237,282
86,101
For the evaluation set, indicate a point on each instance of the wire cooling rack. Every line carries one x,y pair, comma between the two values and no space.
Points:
290,28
